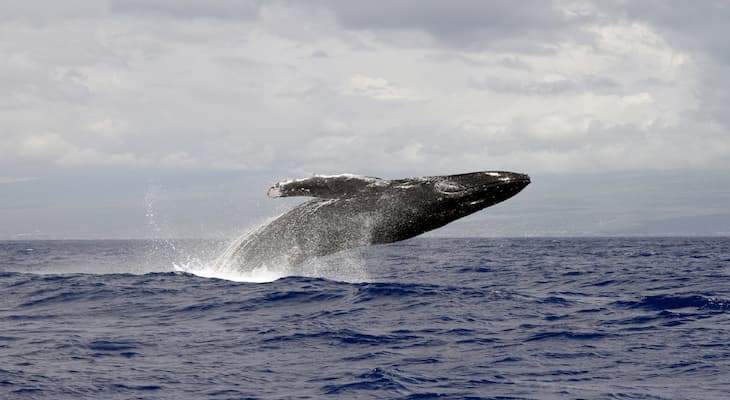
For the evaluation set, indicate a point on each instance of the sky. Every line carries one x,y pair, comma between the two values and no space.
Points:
171,118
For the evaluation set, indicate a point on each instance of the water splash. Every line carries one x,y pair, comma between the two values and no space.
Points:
205,269
157,230
346,266
211,262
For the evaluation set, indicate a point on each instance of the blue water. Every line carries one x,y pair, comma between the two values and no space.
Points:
605,318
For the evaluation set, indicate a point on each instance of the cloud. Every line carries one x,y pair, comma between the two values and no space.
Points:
376,88
9,180
153,84
689,26
54,149
39,13
394,89
550,84
218,9
699,30
526,25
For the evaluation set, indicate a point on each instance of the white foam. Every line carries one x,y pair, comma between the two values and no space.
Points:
212,270
343,267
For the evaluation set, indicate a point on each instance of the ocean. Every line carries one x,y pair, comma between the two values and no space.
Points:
428,318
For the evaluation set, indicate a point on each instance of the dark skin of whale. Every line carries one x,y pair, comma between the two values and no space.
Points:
352,211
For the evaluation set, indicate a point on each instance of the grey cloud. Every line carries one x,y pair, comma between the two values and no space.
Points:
453,57
42,12
228,9
698,28
573,84
522,26
690,25
319,54
715,96
505,61
702,30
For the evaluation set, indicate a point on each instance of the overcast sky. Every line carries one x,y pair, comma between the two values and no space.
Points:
140,118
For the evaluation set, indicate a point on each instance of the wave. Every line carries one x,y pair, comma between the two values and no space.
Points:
376,379
677,301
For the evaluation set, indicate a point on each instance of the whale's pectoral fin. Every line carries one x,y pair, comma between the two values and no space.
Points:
328,187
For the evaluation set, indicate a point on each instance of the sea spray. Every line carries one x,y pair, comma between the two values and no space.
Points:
348,266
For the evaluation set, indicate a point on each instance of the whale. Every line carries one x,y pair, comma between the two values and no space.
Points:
349,211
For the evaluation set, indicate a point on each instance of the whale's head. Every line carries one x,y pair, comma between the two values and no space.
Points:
481,189
449,197
419,205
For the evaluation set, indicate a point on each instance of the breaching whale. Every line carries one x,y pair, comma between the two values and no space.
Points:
351,211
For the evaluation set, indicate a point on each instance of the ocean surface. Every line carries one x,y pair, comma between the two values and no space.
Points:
527,318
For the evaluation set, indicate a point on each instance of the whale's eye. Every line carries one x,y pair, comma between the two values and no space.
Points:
449,187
